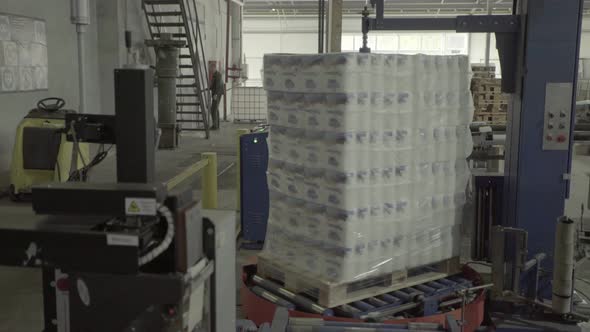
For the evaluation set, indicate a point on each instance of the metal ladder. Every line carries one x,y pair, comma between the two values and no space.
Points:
193,95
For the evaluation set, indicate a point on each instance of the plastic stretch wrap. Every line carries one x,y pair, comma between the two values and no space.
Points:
367,170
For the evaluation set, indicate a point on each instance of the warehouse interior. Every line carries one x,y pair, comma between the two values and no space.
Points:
294,165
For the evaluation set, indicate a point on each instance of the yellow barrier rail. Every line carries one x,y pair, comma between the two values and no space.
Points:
209,190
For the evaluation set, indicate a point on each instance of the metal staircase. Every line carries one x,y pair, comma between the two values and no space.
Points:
193,95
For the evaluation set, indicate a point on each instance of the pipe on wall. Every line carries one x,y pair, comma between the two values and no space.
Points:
80,16
321,16
488,36
227,27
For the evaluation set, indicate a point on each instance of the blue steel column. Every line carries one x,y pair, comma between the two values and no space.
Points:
536,186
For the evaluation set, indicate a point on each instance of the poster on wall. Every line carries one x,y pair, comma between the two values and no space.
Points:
23,54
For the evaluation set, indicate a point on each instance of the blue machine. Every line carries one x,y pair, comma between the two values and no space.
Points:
253,188
538,47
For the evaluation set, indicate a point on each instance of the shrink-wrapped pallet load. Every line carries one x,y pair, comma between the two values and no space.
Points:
367,171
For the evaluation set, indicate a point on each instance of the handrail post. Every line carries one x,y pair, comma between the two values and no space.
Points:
209,183
238,170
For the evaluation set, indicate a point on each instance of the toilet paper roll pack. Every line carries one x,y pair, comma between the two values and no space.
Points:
367,168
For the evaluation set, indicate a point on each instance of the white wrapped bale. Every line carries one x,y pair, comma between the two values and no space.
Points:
367,167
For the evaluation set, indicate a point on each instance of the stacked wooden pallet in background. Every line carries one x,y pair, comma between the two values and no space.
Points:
489,101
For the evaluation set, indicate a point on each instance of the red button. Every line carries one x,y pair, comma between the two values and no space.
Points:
63,284
561,138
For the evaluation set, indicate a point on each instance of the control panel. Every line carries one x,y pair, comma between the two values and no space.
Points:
557,121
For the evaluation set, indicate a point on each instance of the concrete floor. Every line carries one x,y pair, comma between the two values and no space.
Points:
20,292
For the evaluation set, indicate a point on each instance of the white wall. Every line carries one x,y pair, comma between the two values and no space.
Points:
62,69
299,35
258,44
105,51
213,23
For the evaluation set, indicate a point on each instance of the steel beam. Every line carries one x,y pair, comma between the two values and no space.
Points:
483,23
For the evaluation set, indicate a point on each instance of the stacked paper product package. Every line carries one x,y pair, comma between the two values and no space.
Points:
367,171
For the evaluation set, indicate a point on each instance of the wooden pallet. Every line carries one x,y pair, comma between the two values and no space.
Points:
485,113
332,294
483,75
487,81
491,118
491,108
486,89
476,67
486,86
490,98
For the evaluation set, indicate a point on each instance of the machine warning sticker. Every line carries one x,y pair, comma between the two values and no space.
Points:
140,206
122,240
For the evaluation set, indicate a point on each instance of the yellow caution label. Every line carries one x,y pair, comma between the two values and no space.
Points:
133,207
136,206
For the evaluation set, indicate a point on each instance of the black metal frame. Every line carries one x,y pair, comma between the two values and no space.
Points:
50,241
112,275
505,27
80,198
80,238
92,128
135,125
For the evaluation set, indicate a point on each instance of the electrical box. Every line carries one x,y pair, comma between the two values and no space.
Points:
253,186
557,120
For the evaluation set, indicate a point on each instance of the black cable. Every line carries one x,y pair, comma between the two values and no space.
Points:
82,173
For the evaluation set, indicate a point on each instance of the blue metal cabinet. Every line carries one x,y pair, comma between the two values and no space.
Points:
253,188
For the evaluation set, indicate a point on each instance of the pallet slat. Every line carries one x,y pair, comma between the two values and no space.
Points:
332,294
491,119
482,67
491,108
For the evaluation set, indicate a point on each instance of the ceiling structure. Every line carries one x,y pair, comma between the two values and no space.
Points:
392,7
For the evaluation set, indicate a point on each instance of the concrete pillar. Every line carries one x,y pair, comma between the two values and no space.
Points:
334,31
167,71
236,35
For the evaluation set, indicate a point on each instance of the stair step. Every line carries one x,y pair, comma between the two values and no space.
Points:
194,113
185,56
186,95
164,13
186,85
187,104
186,66
167,24
186,121
161,2
174,35
186,76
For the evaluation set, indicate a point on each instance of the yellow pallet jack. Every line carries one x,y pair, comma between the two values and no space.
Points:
41,152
